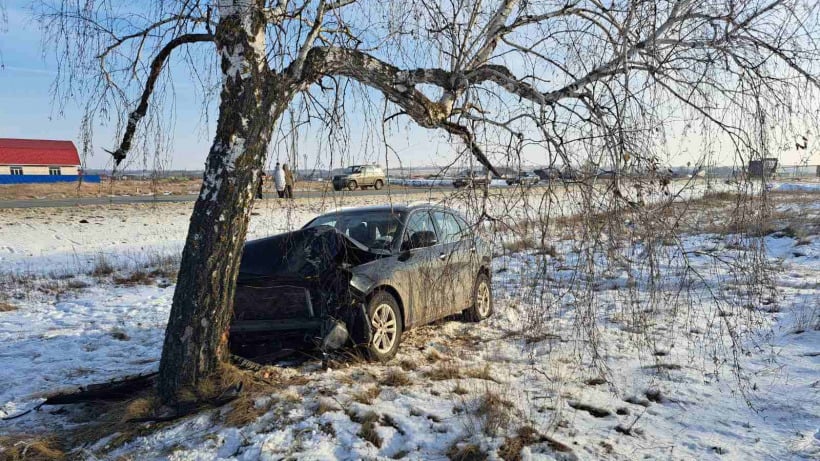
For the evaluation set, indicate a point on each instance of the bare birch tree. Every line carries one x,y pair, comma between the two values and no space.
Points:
582,82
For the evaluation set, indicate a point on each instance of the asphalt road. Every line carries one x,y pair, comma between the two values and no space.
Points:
131,199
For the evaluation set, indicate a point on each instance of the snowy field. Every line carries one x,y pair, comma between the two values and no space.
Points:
663,382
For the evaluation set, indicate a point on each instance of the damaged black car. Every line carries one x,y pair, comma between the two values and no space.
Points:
359,277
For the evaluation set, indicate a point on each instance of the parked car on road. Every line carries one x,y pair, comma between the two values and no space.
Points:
360,177
470,180
359,276
524,178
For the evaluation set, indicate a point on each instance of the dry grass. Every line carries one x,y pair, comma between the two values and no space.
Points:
443,371
494,411
460,390
133,187
520,244
369,422
32,448
327,405
137,277
6,307
484,373
367,396
102,266
245,410
408,365
396,378
466,452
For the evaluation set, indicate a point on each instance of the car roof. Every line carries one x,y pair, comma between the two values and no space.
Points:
400,208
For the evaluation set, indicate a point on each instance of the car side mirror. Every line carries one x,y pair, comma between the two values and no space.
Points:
421,239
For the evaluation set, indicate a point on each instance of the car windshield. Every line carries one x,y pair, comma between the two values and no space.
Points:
354,169
374,229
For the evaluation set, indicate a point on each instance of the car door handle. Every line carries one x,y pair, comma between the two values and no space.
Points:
442,256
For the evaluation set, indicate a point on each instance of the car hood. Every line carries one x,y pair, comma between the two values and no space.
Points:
305,253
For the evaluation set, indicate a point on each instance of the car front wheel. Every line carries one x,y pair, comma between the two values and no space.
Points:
352,185
482,306
385,327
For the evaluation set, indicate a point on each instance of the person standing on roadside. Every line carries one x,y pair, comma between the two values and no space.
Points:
261,185
279,180
288,181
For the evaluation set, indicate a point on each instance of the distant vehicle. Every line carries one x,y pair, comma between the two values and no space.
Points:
524,178
471,180
763,168
359,276
360,177
551,174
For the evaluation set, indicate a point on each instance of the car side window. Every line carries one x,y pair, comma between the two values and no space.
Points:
419,221
448,227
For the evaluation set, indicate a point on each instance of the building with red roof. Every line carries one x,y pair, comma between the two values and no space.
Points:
38,157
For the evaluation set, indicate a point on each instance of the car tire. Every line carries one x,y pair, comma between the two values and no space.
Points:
482,306
382,314
352,185
379,184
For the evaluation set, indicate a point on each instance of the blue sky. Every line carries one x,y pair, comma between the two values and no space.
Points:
27,110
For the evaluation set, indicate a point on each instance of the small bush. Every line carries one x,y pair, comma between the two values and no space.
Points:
6,307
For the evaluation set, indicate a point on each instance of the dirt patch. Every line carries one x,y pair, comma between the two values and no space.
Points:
593,410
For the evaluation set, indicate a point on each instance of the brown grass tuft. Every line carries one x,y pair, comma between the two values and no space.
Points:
466,452
460,390
510,450
367,396
519,245
30,448
481,373
137,277
443,371
6,307
408,365
244,410
141,407
102,266
396,378
494,411
368,431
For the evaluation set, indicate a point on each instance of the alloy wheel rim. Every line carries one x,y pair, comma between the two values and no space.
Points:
483,299
384,328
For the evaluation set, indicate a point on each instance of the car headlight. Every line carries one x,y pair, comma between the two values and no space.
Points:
360,283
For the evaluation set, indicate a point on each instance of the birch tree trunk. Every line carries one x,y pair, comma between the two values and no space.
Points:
196,338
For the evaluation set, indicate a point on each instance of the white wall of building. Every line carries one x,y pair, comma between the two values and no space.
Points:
41,170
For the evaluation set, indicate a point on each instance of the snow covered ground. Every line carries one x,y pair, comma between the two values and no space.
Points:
658,384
